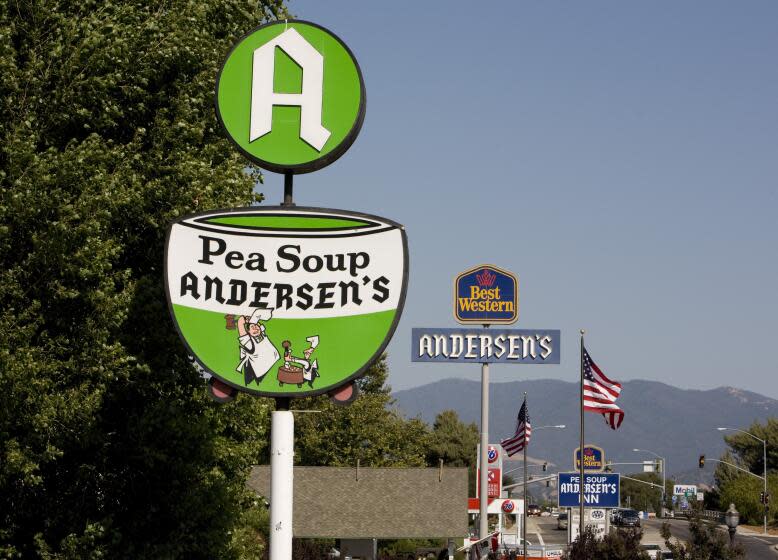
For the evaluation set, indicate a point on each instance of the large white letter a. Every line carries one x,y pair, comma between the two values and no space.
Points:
310,100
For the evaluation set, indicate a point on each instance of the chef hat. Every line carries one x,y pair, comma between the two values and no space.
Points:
260,315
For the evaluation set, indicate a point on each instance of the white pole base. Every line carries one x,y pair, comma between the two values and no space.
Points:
281,483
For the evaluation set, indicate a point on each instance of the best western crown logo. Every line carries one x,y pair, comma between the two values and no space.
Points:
486,295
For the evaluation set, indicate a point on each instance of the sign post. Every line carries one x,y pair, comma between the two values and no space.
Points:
477,300
286,301
485,295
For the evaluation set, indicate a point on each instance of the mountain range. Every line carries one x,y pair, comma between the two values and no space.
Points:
677,424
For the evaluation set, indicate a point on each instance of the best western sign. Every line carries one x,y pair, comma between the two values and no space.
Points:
290,95
486,295
593,456
286,301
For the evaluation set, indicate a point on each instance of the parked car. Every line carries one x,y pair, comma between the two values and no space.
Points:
654,550
561,521
629,518
615,515
533,509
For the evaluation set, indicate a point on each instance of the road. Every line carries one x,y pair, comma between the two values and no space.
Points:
757,547
543,530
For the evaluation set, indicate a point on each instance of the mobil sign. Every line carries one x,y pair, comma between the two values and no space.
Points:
684,490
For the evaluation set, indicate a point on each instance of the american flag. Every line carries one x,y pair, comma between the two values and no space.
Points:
600,393
521,437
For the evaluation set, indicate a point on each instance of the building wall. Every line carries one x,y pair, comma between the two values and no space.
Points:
367,503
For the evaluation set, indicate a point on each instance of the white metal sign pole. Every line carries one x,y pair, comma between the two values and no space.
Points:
281,483
482,459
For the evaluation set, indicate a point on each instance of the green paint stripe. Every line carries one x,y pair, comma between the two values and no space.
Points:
288,222
345,345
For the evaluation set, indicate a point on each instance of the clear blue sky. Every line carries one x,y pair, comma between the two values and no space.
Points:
620,157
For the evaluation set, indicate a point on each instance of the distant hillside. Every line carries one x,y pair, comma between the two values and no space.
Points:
676,423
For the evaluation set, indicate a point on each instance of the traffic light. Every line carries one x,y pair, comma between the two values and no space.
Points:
762,498
702,461
545,466
658,466
548,483
766,499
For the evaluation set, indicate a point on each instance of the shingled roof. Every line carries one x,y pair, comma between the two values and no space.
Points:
382,503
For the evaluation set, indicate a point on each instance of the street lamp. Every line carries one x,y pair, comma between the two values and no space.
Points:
732,519
764,465
664,470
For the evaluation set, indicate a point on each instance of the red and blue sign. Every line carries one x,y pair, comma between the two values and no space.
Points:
508,506
492,454
486,295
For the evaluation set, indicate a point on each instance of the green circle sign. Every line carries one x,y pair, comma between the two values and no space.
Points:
291,96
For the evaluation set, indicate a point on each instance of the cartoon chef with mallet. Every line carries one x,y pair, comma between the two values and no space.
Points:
257,353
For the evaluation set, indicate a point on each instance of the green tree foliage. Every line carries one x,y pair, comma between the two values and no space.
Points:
642,496
456,443
734,486
369,429
744,491
749,452
623,544
708,542
108,447
452,440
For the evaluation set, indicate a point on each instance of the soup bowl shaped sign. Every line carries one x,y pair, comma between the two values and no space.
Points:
282,301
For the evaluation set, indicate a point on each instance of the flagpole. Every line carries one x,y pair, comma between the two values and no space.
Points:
524,524
581,449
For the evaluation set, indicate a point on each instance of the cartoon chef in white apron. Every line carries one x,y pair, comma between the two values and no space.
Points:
257,353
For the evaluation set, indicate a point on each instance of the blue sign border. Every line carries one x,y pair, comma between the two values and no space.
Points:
572,499
503,280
